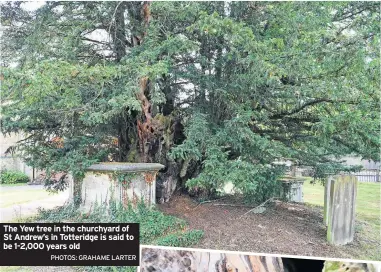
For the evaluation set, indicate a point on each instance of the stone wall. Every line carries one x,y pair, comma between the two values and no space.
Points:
14,162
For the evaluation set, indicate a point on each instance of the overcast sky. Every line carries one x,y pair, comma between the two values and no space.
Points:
32,5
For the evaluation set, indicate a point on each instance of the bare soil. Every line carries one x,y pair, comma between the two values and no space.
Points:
284,228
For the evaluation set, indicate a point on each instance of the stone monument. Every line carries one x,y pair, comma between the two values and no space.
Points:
125,183
292,189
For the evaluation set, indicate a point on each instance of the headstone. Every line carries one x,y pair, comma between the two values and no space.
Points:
102,184
341,209
293,170
292,189
327,187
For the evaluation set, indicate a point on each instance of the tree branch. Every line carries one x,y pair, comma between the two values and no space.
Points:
308,104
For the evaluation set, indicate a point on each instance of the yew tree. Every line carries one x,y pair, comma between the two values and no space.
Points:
215,91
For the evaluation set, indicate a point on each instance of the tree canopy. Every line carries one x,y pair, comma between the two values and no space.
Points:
216,91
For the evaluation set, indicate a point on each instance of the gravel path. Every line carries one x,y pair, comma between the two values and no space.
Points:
21,188
14,212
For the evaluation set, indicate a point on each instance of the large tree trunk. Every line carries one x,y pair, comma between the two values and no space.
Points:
146,136
149,135
157,133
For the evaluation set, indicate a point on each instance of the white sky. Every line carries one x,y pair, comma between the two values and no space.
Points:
32,5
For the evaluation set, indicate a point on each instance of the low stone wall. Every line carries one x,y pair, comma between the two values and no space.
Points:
126,183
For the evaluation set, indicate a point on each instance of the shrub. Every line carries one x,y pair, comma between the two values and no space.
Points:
182,239
12,177
156,228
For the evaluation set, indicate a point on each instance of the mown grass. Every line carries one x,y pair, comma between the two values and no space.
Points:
367,204
16,197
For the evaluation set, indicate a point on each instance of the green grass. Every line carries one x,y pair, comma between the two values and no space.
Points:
367,204
9,198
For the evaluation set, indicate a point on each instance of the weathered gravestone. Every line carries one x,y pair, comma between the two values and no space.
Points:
125,183
327,190
292,189
340,209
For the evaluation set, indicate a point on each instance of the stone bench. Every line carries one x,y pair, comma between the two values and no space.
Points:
125,183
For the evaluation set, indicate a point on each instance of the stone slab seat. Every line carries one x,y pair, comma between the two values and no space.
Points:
292,179
100,186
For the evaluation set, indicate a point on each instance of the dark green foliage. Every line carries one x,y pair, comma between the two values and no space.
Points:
156,228
12,177
183,239
322,169
59,214
124,178
248,83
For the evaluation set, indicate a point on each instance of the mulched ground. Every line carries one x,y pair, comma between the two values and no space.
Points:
284,228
